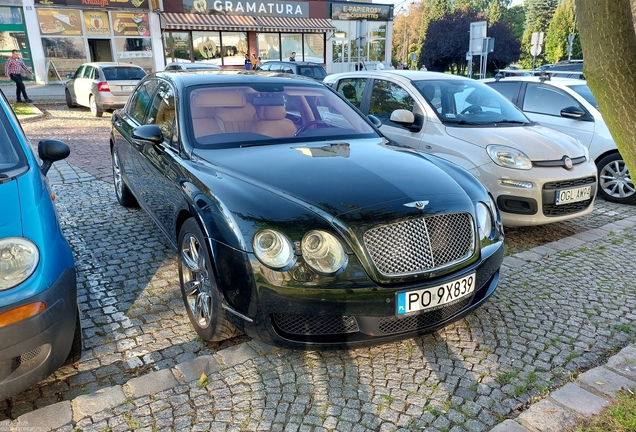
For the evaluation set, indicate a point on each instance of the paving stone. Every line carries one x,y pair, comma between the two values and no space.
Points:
52,417
624,362
237,355
153,382
579,400
546,416
106,398
509,426
192,370
605,381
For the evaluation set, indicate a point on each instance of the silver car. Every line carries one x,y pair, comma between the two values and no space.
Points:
187,66
102,86
536,174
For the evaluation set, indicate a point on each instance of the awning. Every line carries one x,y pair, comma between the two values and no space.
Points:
287,24
180,21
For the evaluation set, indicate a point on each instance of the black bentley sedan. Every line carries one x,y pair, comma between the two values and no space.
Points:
295,220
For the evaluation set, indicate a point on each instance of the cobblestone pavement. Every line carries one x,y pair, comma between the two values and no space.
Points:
561,308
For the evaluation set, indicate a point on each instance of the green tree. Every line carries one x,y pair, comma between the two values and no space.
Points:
515,17
556,38
608,39
439,9
538,16
407,30
494,12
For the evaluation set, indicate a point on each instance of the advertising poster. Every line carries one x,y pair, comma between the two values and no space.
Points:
97,4
130,24
96,23
59,22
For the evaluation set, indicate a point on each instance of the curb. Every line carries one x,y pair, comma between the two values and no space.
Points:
31,117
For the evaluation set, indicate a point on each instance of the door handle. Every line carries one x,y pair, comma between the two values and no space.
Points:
428,147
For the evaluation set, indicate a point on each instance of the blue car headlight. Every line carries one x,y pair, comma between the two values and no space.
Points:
19,258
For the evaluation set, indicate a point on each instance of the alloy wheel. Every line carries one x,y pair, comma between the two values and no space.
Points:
615,180
196,280
119,184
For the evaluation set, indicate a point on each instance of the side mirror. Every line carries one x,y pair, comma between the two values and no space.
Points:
572,112
51,150
150,133
406,119
69,76
376,121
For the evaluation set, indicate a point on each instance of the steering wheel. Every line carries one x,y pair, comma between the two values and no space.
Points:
473,109
306,126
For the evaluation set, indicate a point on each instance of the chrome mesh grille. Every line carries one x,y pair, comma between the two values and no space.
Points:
420,245
315,324
392,324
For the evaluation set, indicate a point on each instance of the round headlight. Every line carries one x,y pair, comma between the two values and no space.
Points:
18,259
323,252
484,220
273,249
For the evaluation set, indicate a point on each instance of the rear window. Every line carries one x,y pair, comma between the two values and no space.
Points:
315,72
123,73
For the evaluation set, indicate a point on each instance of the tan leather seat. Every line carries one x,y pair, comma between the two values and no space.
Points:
272,122
204,121
236,118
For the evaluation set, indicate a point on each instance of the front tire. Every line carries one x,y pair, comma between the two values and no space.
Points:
124,195
69,99
95,110
76,347
614,181
199,288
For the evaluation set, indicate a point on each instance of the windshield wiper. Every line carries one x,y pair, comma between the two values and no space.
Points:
504,121
462,122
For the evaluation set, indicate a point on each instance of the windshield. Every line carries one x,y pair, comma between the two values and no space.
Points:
270,113
123,73
315,72
469,102
585,91
12,158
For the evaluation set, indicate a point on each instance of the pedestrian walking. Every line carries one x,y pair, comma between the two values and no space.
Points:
248,62
400,66
293,56
13,69
254,61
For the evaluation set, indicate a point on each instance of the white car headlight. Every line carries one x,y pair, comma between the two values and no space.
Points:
323,252
273,249
19,258
484,220
509,157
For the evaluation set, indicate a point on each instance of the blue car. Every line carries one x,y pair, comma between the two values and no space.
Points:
39,320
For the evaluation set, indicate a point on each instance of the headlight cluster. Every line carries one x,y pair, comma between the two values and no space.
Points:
509,157
486,218
19,258
322,251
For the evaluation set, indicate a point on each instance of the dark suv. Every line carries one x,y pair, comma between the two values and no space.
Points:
311,70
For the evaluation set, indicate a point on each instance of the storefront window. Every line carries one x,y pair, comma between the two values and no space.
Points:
134,50
314,47
207,47
234,48
377,50
269,46
65,54
180,46
291,43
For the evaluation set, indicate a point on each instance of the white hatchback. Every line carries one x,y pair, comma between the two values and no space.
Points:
536,174
568,105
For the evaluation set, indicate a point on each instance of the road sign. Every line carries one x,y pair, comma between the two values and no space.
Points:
477,35
413,56
535,50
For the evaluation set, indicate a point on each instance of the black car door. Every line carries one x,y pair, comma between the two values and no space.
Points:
124,121
162,195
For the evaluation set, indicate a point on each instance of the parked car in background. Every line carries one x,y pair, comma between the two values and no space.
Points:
39,319
102,86
191,66
568,105
310,70
537,175
296,230
567,69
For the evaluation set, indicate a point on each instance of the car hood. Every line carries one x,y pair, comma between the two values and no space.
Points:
539,143
341,177
10,221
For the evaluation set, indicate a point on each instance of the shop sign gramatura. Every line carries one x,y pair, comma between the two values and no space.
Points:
82,4
249,7
352,11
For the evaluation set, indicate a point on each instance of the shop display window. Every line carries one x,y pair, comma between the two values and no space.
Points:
314,47
134,50
291,43
66,53
177,45
207,47
269,46
234,48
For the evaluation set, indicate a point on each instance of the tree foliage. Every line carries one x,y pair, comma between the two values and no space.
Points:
608,39
562,26
515,17
407,30
538,16
507,46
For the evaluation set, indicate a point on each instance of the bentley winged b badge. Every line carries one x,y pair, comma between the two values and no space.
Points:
417,204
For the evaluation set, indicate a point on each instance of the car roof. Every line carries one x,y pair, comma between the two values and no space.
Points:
234,77
105,64
555,80
413,75
297,63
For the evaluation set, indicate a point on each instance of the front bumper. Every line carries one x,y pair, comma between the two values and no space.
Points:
357,314
34,348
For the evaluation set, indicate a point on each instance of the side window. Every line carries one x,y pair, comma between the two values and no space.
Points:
140,100
265,66
162,112
387,97
287,69
542,99
352,89
509,90
79,72
88,72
